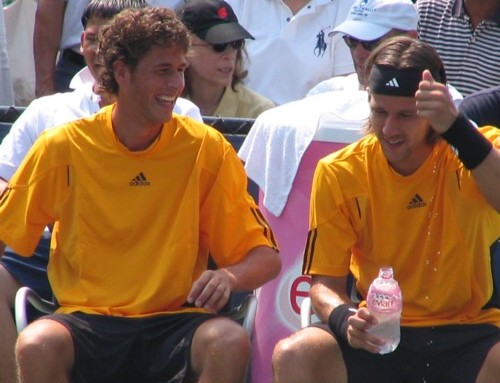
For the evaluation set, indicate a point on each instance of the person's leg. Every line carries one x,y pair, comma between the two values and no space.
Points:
454,353
490,372
8,334
45,353
17,271
309,355
220,351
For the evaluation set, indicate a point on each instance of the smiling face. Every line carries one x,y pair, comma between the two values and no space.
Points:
208,66
149,91
403,135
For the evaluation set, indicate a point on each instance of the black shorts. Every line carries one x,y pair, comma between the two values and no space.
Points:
429,354
31,271
118,349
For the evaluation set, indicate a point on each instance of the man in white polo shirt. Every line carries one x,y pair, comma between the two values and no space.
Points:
292,52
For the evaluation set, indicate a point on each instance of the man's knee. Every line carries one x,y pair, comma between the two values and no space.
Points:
288,351
44,341
228,335
309,355
220,339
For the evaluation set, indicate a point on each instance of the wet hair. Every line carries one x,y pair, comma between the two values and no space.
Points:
404,52
132,33
107,9
407,54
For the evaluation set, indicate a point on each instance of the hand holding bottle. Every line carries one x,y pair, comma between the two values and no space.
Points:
358,331
384,302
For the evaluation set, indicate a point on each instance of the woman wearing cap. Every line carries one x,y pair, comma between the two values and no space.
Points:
216,68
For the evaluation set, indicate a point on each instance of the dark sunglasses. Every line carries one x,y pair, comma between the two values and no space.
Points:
219,48
352,43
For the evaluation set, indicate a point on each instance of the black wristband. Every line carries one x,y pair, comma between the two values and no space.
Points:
337,320
471,145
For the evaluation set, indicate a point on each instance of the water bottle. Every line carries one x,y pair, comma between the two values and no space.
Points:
385,302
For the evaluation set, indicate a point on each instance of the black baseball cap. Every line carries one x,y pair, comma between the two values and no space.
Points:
213,21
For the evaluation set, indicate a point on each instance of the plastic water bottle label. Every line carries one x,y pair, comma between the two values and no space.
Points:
384,302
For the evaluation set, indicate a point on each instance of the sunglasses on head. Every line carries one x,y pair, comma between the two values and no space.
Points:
352,43
219,48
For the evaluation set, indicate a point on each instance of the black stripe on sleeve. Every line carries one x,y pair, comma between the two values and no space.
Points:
309,251
268,233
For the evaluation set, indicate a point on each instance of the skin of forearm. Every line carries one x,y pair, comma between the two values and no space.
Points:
327,293
46,38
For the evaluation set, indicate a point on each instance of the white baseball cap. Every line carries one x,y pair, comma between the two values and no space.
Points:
371,19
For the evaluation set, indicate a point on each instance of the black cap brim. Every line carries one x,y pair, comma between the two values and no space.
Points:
224,33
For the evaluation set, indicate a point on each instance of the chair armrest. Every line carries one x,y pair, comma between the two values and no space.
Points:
24,296
305,312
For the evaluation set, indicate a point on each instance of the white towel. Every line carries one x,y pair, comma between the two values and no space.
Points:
274,147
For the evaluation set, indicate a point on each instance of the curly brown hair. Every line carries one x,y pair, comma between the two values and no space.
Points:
130,36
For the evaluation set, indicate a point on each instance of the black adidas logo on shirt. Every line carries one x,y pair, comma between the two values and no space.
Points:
139,180
416,201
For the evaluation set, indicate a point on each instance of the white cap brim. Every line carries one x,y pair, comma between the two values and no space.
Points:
361,30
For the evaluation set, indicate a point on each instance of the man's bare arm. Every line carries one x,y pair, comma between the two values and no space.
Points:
49,18
213,288
436,105
327,293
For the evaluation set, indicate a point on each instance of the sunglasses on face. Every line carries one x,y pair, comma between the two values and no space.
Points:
219,48
352,43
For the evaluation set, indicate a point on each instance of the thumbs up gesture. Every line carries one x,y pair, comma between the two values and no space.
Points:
435,104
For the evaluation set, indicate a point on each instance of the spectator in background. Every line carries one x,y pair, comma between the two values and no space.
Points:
466,35
292,51
216,65
56,42
368,23
6,90
483,107
42,113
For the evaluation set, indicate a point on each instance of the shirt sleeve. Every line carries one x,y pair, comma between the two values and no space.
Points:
32,197
232,223
331,234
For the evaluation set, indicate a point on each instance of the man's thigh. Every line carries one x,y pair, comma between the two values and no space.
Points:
153,349
434,355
